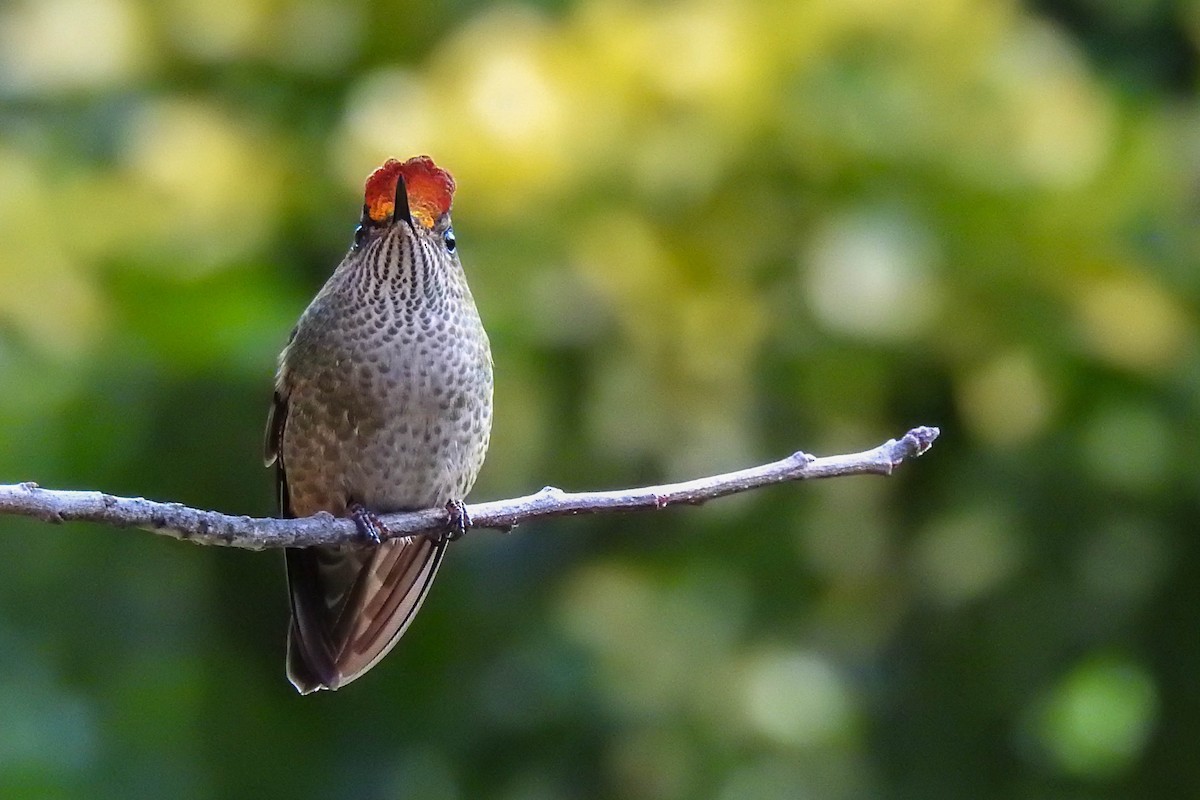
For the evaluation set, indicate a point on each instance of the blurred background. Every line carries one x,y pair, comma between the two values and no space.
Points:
703,235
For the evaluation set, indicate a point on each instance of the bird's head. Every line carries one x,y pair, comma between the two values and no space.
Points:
408,198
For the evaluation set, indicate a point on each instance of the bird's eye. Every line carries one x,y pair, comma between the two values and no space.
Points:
360,235
448,238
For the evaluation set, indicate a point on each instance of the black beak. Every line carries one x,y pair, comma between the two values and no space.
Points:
401,212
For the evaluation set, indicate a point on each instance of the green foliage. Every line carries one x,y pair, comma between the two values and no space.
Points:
702,234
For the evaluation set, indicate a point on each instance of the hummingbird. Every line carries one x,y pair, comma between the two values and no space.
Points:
383,403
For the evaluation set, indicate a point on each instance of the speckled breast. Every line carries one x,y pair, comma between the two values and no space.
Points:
391,406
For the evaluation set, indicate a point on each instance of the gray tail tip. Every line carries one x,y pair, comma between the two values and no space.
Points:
301,673
307,688
307,684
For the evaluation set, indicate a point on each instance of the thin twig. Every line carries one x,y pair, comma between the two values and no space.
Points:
214,528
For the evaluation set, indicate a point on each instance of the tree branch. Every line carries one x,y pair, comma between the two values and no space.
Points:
214,528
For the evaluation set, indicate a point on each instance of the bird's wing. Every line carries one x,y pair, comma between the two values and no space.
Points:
273,449
277,416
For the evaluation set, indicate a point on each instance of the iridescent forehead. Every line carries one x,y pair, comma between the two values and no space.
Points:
430,190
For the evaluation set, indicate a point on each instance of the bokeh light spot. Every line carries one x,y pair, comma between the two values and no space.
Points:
872,275
389,114
1006,401
964,555
55,45
1064,125
1132,322
1097,720
1129,447
796,698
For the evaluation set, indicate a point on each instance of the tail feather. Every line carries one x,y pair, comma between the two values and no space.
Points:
351,606
299,670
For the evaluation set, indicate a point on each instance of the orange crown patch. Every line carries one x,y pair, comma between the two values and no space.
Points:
430,190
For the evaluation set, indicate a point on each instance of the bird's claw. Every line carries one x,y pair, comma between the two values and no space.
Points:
368,523
457,522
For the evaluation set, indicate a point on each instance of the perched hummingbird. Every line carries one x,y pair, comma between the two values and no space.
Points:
383,402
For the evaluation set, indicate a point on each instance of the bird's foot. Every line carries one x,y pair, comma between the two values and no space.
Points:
368,523
457,522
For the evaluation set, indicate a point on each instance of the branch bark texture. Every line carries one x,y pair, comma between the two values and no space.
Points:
214,528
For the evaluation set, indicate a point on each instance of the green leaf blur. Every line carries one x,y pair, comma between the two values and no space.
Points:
702,234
